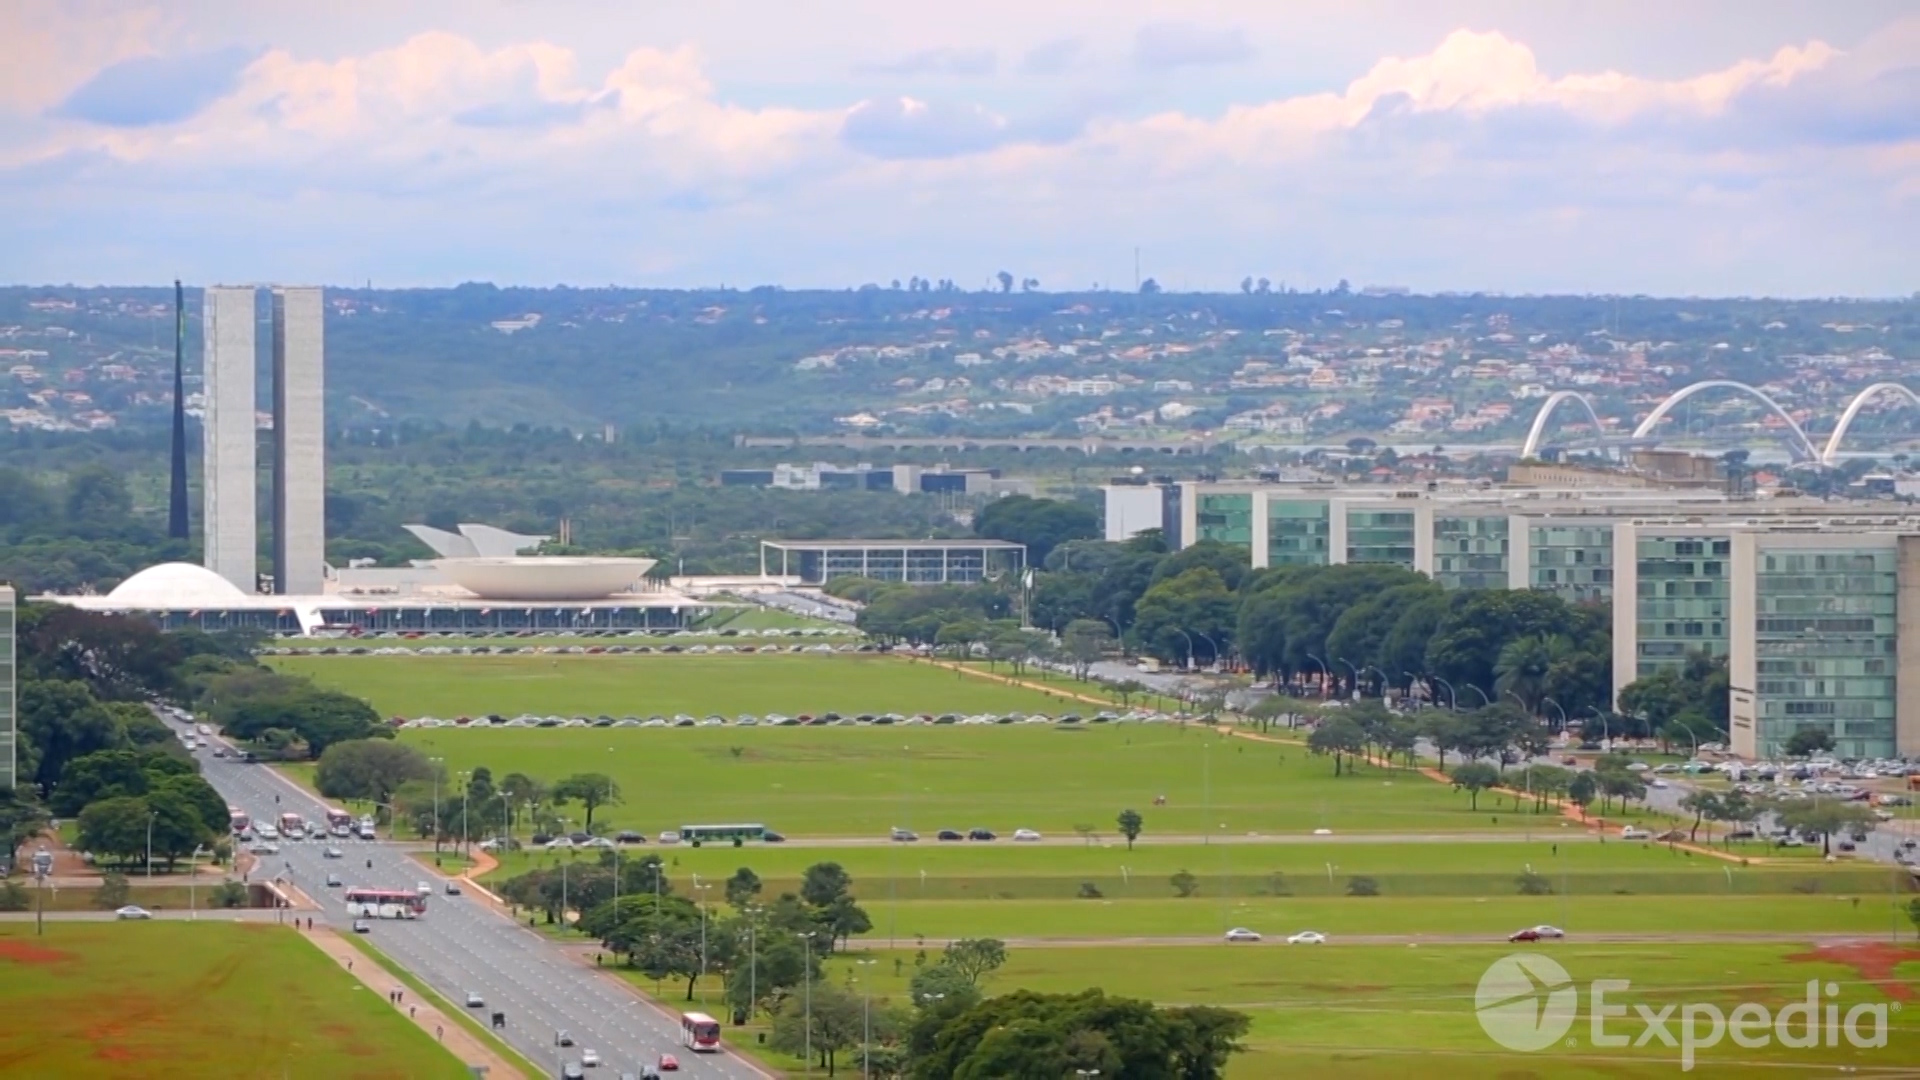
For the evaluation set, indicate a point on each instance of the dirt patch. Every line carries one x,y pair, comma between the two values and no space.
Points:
1874,961
114,1053
25,952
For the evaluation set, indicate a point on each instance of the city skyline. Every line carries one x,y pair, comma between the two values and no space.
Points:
1475,146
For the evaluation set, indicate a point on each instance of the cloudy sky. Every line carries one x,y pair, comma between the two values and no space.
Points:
1699,147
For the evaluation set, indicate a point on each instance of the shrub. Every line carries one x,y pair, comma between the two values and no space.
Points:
1089,891
1362,886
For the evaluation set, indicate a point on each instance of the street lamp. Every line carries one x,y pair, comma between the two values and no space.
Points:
1189,638
151,814
1606,740
1453,699
1484,699
1212,644
702,890
866,1021
1558,709
1356,675
807,1004
193,874
436,803
1323,673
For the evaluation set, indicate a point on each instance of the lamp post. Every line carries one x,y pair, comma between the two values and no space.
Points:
866,1021
1558,709
1323,673
1412,680
1453,699
436,804
1484,699
1189,638
753,958
151,814
1355,688
1606,740
806,1021
1211,644
193,874
702,890
466,789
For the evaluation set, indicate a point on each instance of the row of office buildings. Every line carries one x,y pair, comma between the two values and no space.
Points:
1814,604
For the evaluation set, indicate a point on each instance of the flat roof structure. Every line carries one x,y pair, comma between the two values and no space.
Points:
915,562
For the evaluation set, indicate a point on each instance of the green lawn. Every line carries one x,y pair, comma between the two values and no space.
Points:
196,999
839,782
662,684
1001,871
1379,1011
654,641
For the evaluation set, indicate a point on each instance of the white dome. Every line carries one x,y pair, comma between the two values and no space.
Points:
176,584
544,577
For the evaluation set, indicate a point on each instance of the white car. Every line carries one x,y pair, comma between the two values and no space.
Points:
1633,832
1025,834
590,1058
670,836
1546,931
133,912
1308,937
1241,933
559,843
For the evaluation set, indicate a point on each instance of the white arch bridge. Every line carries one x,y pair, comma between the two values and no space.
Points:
1798,443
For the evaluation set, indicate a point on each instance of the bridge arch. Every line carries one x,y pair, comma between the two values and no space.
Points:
1554,400
1802,446
1832,453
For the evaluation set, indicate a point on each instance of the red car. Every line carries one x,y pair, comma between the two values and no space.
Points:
669,1063
1526,935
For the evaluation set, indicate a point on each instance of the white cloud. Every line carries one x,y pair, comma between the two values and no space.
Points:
1467,164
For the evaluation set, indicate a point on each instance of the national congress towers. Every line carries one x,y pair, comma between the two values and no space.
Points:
299,438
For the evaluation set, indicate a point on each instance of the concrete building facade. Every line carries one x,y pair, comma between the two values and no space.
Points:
1815,606
299,442
229,485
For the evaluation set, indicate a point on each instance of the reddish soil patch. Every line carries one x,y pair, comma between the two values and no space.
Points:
114,1053
25,952
1875,962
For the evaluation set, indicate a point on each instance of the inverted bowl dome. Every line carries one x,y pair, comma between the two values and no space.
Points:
544,578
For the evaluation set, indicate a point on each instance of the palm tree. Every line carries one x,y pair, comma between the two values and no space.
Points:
1522,669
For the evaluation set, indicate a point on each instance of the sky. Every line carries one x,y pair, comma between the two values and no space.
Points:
1710,147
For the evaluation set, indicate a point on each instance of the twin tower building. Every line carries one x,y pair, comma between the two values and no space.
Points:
230,319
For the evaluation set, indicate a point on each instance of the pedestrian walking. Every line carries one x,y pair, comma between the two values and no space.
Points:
349,965
410,1012
439,1033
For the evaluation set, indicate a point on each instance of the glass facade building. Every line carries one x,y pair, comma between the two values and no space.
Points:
1227,519
1681,606
1573,561
1298,532
1382,536
1826,646
1470,552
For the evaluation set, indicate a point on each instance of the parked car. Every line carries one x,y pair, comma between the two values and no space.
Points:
1241,933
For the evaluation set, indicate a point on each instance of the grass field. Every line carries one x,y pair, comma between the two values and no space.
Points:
195,999
646,685
1379,1011
841,782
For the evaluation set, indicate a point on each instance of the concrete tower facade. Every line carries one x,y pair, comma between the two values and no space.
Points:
299,442
230,511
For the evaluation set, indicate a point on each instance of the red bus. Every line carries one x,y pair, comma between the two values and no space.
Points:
238,820
338,821
385,904
700,1033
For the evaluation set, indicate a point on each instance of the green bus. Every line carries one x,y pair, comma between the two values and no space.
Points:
725,834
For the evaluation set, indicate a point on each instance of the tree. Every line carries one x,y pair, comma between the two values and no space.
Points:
115,828
1086,641
826,1019
594,790
975,957
1582,789
1473,778
1175,612
114,892
1006,281
370,769
1913,914
1339,737
1522,670
1184,884
843,918
1808,740
823,883
1039,524
1825,817
953,990
1705,805
103,774
1149,287
1130,824
743,888
178,828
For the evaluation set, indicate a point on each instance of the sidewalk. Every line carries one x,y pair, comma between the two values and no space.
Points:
427,1014
1050,691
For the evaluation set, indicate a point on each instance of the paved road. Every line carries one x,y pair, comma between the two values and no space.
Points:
203,915
462,945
